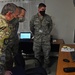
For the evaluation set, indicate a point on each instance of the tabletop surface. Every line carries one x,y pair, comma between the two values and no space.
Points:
61,64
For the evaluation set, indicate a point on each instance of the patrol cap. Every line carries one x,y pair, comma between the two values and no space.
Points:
41,5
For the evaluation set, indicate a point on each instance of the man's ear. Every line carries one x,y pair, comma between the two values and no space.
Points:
9,13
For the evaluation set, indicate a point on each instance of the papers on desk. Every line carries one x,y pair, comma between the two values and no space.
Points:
67,49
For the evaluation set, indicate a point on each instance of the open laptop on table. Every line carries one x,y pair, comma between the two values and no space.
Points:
25,36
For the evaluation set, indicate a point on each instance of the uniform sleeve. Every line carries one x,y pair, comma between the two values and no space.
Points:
50,25
32,25
4,32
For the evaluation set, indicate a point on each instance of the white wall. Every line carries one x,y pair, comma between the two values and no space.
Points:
63,15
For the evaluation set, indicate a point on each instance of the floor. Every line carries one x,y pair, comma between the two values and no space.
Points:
53,64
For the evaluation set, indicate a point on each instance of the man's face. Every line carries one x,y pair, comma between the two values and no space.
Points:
21,16
42,10
12,17
16,13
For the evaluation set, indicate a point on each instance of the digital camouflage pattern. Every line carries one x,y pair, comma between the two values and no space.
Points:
41,28
4,35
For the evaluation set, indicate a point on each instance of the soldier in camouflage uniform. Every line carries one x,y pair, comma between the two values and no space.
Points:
14,40
14,43
9,12
4,34
14,28
41,26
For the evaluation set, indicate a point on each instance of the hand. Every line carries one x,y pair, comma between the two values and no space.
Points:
8,73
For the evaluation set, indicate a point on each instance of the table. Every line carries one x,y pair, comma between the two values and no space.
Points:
58,41
61,64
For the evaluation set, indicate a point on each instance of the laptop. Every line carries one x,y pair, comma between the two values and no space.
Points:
73,56
25,36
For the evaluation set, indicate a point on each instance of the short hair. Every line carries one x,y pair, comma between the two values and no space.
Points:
21,8
8,7
41,5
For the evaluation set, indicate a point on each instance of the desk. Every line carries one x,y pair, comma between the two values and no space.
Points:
61,64
58,41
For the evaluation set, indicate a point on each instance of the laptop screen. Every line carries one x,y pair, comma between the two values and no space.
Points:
25,35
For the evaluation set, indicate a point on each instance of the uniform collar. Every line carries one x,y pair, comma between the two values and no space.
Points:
2,16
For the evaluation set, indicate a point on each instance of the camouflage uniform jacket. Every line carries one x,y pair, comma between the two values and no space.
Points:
14,28
41,28
4,34
14,40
